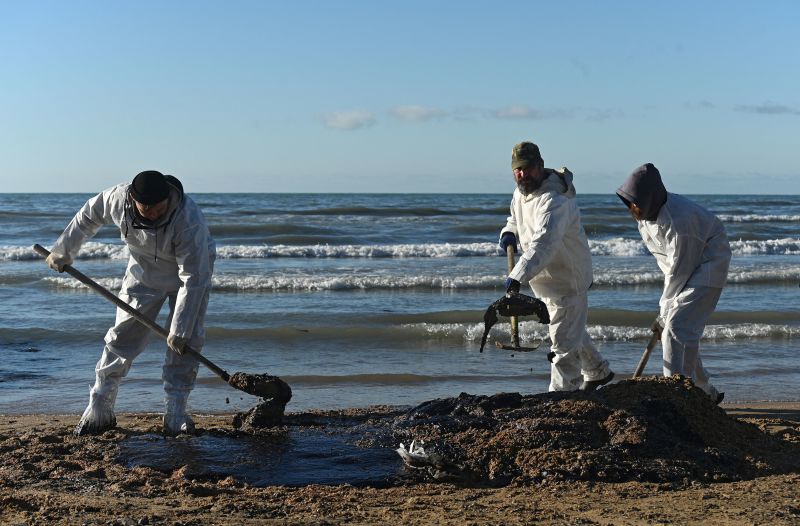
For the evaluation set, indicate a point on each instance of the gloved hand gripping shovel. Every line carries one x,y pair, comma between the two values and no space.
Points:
654,339
262,385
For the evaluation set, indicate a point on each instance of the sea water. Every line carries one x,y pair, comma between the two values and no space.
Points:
359,299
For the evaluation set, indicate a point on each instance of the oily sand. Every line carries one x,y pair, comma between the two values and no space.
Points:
651,451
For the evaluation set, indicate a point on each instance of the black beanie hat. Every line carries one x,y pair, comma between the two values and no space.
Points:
149,187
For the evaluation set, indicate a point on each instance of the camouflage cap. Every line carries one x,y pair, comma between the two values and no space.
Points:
525,154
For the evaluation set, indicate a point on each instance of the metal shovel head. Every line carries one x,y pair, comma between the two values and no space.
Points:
262,385
520,348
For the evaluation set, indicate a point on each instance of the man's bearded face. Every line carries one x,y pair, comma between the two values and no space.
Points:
529,178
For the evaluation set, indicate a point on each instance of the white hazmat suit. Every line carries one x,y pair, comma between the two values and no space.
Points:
557,264
692,250
171,259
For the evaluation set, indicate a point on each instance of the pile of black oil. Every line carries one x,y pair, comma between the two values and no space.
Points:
653,429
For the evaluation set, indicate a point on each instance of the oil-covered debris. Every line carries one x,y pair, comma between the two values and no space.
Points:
268,413
513,304
649,429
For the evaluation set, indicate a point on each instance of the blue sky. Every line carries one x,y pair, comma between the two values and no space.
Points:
429,96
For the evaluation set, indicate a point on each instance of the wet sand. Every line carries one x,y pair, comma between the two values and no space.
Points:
49,476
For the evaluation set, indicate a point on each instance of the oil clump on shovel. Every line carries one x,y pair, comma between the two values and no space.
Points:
274,394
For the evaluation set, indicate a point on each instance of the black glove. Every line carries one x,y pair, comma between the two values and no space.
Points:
512,285
508,239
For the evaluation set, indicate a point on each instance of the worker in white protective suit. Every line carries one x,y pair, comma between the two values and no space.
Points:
557,265
171,258
692,249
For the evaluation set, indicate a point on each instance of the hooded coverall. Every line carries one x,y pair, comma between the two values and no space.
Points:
691,248
172,259
557,264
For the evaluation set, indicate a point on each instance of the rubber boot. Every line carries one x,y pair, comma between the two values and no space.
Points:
99,414
176,420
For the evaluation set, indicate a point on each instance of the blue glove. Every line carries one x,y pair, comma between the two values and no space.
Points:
512,285
508,239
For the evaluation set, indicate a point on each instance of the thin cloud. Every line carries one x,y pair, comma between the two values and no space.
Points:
348,120
700,104
415,113
523,112
519,111
768,108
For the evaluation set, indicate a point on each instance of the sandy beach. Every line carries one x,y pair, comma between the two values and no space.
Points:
50,476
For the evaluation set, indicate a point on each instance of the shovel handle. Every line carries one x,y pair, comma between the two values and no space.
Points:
138,316
646,354
514,319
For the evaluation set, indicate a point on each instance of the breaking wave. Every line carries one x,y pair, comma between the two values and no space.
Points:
535,332
757,218
348,281
617,247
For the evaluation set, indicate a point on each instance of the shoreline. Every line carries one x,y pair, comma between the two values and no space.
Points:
757,409
49,476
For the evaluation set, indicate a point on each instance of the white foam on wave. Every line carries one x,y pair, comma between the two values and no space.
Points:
617,247
71,283
359,251
785,246
627,277
312,283
351,282
90,250
532,331
11,253
622,247
764,275
758,218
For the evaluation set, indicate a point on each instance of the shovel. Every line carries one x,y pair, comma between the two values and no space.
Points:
514,346
262,385
656,328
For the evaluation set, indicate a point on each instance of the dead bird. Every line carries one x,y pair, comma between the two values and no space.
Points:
513,304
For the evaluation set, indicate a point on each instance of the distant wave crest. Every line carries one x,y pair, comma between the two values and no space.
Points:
534,332
615,247
757,218
359,251
769,247
349,281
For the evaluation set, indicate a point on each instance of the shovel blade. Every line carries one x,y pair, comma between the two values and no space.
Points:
518,348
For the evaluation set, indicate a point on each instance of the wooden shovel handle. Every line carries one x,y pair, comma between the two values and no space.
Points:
514,319
646,355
